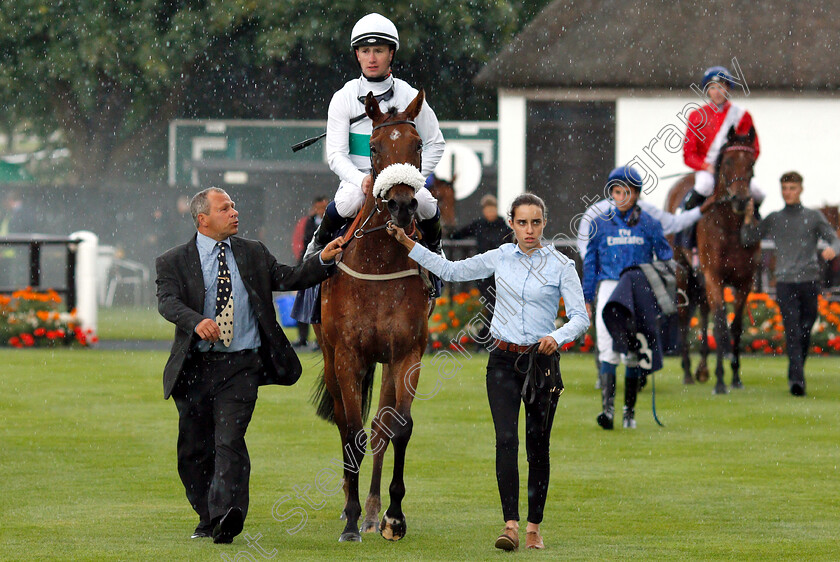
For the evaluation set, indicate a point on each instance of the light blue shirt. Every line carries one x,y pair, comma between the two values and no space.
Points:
246,335
528,290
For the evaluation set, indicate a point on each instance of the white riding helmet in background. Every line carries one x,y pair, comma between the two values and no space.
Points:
374,29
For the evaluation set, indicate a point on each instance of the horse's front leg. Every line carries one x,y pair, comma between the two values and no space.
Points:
737,329
714,293
399,424
379,438
349,372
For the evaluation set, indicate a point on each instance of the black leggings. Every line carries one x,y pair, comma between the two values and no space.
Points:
504,386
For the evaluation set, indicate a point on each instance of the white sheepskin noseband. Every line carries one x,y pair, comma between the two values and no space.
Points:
397,173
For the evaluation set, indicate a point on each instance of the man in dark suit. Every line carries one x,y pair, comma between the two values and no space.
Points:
215,366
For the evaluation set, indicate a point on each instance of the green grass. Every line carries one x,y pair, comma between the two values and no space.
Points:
130,323
88,468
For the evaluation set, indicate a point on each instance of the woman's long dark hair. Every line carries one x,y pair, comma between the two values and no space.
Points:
527,199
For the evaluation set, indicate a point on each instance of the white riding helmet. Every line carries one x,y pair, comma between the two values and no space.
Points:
374,29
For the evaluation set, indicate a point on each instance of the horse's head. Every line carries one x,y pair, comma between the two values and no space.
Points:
735,169
395,157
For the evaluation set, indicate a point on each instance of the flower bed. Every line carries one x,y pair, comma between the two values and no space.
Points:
764,331
33,319
458,320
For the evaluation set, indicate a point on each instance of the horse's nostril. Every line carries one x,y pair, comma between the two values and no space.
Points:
393,206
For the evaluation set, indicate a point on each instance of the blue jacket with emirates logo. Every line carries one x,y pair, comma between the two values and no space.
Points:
614,246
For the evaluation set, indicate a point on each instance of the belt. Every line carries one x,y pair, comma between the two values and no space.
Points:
512,347
223,355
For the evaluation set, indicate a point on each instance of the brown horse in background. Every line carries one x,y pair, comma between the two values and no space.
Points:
692,290
444,192
724,261
369,319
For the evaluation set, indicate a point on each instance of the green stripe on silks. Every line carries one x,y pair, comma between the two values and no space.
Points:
360,144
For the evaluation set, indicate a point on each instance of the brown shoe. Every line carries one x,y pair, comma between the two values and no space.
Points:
533,540
509,539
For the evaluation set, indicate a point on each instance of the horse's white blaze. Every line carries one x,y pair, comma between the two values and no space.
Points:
395,135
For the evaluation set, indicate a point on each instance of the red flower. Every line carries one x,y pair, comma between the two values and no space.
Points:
15,342
587,340
40,332
27,340
436,345
567,346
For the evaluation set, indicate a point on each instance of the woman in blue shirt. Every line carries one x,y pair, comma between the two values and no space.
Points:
530,280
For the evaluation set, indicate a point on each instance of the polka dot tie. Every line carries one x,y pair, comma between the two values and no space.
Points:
224,298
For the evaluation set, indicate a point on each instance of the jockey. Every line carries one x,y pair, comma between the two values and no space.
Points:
623,237
707,131
374,40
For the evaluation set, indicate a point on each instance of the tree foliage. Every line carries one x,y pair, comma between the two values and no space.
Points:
111,75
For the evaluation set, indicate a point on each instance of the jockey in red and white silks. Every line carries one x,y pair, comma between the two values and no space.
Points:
707,132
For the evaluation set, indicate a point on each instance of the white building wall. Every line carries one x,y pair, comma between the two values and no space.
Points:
798,134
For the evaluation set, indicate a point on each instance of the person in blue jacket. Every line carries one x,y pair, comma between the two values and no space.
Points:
623,238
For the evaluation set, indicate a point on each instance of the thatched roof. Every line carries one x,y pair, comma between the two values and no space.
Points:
664,44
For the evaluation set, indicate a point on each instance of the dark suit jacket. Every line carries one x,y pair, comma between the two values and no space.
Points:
180,293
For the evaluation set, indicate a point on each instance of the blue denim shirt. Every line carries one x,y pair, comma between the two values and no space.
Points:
528,290
246,334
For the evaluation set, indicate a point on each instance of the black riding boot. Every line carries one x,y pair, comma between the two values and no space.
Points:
631,387
431,233
607,375
331,223
430,228
693,199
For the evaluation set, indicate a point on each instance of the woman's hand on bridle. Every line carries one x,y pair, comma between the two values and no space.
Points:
400,236
547,345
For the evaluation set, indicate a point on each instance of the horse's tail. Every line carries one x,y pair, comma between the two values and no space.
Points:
325,404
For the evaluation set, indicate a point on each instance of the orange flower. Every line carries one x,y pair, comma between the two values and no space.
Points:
437,317
694,321
727,295
451,314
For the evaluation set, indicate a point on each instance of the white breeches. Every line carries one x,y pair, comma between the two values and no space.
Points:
602,335
704,184
349,200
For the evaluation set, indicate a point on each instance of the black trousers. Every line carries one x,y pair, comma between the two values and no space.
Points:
504,387
798,303
215,400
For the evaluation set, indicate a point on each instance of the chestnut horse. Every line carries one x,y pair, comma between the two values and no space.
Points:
723,260
375,310
444,192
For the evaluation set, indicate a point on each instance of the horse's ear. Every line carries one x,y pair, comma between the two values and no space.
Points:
731,134
415,106
751,135
372,108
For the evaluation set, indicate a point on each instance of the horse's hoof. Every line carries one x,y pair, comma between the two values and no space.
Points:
720,388
736,383
350,537
702,375
392,529
370,526
688,380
